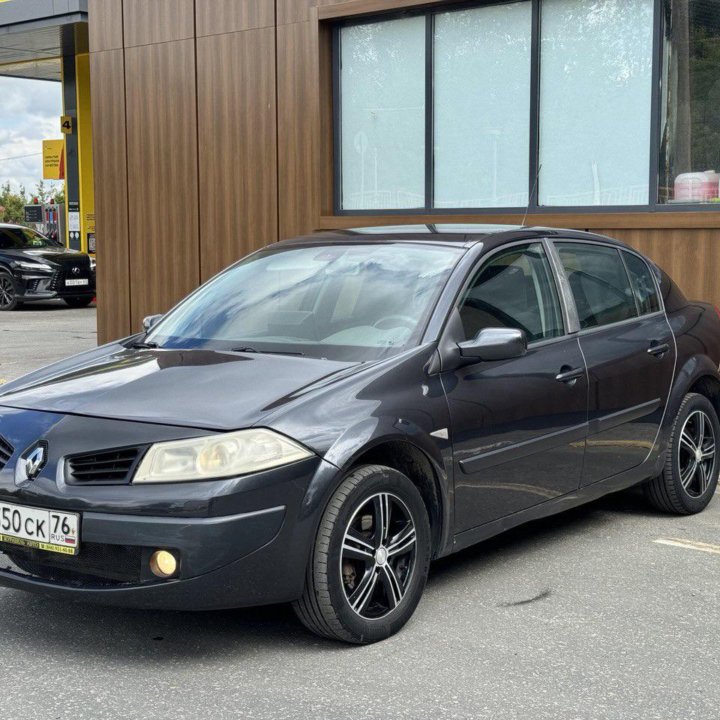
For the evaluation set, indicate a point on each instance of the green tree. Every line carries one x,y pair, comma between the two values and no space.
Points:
12,204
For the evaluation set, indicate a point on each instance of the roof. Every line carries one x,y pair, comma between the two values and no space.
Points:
461,235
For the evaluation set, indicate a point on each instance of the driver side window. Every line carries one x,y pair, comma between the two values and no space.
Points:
515,289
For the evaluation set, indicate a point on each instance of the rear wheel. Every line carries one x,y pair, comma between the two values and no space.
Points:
78,302
370,562
8,292
690,476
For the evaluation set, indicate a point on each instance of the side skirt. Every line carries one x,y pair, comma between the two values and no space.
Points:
583,495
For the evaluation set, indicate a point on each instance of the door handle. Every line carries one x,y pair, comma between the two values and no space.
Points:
570,376
658,350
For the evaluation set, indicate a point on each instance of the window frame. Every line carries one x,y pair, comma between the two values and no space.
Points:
533,207
481,263
570,299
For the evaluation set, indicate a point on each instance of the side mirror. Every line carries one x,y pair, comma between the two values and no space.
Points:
495,344
150,321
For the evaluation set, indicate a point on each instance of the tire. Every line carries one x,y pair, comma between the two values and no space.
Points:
358,589
8,292
78,302
687,482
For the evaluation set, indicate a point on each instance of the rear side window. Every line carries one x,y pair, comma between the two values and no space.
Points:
643,284
599,283
515,289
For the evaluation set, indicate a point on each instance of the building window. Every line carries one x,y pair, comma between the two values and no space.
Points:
482,64
383,115
690,123
537,105
595,102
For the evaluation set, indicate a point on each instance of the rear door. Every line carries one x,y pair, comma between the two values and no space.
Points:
629,350
518,426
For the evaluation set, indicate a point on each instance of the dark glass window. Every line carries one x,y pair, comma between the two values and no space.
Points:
690,122
643,284
515,289
599,283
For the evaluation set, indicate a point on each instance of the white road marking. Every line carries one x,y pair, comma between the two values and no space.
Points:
690,545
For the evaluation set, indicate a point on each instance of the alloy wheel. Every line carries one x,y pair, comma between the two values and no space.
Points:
696,453
7,291
378,556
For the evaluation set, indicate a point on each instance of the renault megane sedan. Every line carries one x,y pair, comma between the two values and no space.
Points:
320,421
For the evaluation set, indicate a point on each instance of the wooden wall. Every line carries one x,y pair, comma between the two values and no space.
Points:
213,137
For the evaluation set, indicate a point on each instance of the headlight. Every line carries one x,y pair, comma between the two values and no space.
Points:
93,263
218,456
33,267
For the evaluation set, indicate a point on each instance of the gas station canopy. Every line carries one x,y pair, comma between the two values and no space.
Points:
36,34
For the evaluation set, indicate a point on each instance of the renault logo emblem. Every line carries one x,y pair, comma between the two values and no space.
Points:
35,462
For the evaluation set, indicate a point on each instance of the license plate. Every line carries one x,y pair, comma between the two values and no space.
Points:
75,283
48,530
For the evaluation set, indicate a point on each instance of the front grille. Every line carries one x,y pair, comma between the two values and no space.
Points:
57,283
6,451
97,565
110,467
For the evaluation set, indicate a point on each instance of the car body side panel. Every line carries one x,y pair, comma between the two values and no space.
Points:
628,392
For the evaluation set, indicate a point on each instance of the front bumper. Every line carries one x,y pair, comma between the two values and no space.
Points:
243,541
43,286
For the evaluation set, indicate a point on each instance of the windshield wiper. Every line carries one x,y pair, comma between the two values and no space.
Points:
144,346
265,352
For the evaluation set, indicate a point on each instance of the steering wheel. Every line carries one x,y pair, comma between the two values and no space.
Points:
395,321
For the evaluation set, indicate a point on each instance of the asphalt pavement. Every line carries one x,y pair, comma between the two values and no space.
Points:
606,612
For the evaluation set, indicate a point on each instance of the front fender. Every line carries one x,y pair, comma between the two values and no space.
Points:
370,433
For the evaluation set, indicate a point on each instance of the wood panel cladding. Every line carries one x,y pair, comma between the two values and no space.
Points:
105,24
111,193
158,21
230,147
237,158
299,139
163,175
215,17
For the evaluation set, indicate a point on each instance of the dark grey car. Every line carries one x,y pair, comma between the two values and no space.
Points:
324,418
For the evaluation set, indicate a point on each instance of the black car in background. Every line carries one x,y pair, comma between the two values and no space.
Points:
34,267
324,418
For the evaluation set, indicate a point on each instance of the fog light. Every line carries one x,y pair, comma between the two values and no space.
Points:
163,564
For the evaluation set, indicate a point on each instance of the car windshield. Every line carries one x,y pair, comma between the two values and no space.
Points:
344,302
23,239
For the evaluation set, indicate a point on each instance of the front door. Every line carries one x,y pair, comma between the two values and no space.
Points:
518,426
629,349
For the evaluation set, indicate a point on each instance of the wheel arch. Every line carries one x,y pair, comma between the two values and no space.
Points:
697,374
411,461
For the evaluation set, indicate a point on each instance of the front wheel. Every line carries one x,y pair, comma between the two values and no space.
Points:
8,292
370,561
690,476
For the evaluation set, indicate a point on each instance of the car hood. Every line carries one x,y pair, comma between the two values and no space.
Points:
58,255
192,388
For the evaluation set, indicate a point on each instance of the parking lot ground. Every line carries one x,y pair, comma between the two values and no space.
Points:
40,333
583,616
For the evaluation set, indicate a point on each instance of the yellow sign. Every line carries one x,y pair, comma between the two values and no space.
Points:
53,159
66,124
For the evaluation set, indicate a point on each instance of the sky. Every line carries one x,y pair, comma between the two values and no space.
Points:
30,112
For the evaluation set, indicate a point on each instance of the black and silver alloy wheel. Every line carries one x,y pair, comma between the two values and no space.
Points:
690,476
378,556
696,453
371,558
8,294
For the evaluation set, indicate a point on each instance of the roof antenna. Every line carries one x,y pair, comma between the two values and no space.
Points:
532,194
